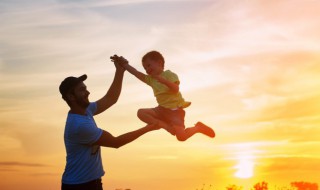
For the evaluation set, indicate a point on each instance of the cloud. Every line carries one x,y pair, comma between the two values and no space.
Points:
294,108
67,36
162,157
8,143
296,165
23,164
294,131
30,167
45,174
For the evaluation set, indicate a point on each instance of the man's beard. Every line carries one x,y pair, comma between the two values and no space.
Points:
83,103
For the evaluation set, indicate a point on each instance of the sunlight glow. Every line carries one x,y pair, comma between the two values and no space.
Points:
244,168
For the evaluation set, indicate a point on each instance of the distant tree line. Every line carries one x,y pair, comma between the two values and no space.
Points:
301,185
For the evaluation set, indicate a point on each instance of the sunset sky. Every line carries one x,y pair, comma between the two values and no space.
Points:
250,68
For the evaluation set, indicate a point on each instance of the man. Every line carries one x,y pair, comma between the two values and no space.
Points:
83,138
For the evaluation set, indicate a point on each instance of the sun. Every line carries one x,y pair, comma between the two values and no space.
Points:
244,168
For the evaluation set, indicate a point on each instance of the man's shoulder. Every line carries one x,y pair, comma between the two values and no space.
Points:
92,108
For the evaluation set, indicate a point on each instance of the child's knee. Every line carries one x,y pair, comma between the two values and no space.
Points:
141,113
180,133
181,138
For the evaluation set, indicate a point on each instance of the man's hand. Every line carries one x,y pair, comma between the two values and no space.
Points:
119,60
153,127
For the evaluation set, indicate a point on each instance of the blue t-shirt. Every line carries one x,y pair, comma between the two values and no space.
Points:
83,159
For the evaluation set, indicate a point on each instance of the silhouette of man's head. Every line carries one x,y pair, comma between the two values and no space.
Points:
68,84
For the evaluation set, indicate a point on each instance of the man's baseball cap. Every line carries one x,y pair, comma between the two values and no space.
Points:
70,82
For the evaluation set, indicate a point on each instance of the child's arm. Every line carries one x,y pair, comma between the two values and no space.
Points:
124,63
173,86
141,76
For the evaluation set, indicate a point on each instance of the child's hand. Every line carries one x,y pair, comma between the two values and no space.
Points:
119,60
174,87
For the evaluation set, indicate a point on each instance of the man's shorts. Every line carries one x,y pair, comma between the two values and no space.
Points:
172,117
92,185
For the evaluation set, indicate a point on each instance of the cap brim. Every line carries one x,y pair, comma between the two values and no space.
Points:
82,77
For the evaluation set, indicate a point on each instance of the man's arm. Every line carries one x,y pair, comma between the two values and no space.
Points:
113,93
107,140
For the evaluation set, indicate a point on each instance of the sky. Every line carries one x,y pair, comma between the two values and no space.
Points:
250,68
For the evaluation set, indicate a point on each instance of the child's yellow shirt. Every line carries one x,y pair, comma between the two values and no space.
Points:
164,97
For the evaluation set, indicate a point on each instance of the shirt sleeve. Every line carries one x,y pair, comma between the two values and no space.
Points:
171,76
148,79
88,134
92,108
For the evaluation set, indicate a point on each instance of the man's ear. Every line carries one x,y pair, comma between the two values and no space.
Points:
70,96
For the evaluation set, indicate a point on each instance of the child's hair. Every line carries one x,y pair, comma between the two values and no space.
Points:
153,55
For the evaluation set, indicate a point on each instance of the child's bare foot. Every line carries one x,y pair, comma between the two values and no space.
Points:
166,126
204,129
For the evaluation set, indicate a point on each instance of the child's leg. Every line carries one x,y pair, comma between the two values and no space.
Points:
204,129
149,116
183,134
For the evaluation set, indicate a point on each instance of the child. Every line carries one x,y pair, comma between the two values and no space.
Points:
169,114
